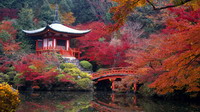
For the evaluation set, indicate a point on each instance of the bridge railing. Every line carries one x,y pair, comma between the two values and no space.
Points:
113,71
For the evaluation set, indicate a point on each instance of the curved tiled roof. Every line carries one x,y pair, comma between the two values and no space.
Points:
57,28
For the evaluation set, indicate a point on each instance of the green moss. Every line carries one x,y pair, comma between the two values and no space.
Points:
85,64
82,79
72,70
84,83
67,65
84,75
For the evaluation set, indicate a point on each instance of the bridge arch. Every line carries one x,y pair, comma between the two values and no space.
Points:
105,79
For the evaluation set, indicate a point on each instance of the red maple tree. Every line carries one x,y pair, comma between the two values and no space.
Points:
9,44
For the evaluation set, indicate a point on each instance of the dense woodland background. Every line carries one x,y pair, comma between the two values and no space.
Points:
162,45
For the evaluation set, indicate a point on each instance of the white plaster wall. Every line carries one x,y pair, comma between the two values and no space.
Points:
50,43
45,43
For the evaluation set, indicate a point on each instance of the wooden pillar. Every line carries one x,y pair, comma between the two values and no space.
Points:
67,45
135,87
47,43
43,43
36,48
36,44
53,46
113,85
55,42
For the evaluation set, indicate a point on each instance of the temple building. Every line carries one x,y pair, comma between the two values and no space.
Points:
56,38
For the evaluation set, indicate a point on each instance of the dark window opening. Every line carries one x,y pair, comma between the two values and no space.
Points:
61,44
40,43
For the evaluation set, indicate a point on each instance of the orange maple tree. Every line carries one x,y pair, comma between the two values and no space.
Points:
125,7
182,50
68,18
172,57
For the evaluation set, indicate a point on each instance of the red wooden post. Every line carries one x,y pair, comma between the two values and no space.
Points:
53,43
36,45
113,85
42,44
135,87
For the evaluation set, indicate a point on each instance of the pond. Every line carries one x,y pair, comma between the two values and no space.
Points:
98,102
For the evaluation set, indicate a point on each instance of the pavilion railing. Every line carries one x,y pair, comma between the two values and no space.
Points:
71,52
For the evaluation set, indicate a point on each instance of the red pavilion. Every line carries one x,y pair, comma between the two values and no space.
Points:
56,38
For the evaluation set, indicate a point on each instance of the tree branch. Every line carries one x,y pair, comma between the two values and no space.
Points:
169,6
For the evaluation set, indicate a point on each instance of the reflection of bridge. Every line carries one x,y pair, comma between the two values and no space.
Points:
108,76
115,103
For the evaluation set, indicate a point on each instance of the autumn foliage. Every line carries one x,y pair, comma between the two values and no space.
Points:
39,69
101,46
171,58
8,38
9,98
125,7
182,50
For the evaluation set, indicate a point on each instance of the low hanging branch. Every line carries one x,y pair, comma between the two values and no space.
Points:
169,6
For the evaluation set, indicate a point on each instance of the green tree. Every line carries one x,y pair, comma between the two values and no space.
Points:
25,22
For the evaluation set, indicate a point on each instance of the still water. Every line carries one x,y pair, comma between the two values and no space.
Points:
98,102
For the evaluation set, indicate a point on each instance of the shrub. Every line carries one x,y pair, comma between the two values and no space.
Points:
67,65
18,80
84,83
84,75
4,77
72,70
85,64
146,91
60,76
81,79
9,98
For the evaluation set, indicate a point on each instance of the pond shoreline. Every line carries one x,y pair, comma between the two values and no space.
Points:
154,97
82,101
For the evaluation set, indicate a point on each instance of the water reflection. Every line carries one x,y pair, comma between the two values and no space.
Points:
98,102
55,102
115,102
